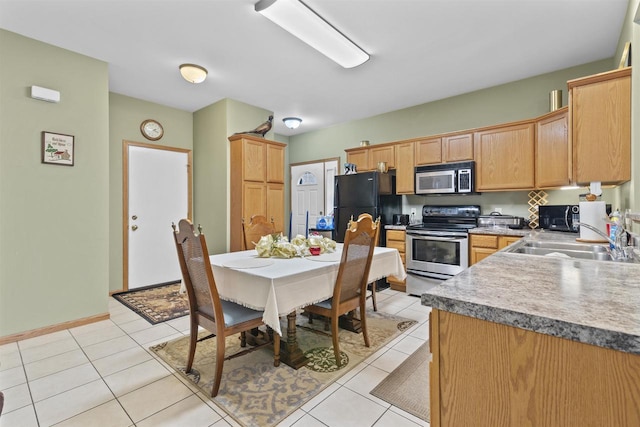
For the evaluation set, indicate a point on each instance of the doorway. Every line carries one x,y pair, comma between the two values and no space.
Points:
157,191
311,193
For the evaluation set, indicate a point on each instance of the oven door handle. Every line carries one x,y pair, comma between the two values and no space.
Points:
437,238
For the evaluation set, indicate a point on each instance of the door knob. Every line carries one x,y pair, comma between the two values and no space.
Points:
134,227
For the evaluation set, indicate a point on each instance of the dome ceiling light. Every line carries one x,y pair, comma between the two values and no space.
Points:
292,122
193,73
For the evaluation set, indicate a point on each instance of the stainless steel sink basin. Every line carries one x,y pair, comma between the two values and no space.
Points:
561,249
567,246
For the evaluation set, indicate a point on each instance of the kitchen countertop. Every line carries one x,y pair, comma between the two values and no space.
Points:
594,302
502,231
395,227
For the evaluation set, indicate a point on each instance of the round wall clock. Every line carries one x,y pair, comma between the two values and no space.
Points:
151,129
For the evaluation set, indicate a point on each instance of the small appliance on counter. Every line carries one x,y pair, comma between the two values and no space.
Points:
400,219
562,217
495,219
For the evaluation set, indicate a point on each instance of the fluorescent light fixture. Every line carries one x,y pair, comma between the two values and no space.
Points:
193,73
292,122
298,19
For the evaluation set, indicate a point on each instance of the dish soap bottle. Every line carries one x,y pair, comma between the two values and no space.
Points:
614,223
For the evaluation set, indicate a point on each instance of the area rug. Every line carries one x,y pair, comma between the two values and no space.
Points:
407,386
156,304
254,392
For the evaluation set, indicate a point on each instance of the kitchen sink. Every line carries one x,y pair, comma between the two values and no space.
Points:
561,249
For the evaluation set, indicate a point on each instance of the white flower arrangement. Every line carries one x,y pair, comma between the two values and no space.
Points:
278,246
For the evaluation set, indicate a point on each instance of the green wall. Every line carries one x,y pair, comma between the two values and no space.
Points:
125,116
212,127
54,220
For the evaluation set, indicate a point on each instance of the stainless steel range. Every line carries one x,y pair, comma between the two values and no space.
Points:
438,248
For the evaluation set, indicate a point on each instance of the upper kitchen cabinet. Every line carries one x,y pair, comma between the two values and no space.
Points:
553,168
505,157
455,147
405,175
359,157
256,183
367,158
428,151
600,112
382,153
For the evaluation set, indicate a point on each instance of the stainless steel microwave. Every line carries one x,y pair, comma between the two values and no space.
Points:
447,178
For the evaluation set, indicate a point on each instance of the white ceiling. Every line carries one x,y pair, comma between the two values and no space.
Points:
421,50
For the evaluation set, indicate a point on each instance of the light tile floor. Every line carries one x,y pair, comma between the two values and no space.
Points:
103,374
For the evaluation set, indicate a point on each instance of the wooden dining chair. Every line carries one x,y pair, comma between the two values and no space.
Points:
372,285
206,309
350,288
257,227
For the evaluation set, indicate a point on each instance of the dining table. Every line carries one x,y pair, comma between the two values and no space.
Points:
281,286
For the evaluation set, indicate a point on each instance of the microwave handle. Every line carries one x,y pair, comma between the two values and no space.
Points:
566,216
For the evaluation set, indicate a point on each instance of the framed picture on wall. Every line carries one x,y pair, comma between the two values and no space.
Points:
57,149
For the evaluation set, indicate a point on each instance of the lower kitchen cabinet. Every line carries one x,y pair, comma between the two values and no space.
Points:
483,245
396,239
489,374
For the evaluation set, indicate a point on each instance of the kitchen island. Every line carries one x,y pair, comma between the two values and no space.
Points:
523,340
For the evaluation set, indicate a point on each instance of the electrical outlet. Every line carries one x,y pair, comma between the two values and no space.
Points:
499,210
413,211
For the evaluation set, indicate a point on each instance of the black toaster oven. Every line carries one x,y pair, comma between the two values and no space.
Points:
561,217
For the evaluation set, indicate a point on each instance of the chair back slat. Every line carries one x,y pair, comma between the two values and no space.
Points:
197,272
357,252
257,227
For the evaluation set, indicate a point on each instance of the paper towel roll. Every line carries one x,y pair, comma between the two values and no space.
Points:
595,214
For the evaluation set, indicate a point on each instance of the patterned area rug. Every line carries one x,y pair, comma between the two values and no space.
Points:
407,387
254,392
157,304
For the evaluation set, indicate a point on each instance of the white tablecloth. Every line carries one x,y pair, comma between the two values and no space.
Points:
285,285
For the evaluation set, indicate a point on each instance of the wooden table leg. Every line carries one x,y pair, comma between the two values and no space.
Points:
290,353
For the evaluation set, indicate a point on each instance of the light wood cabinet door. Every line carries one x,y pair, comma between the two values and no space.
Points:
429,151
485,373
382,154
254,200
505,157
457,148
275,205
396,239
253,165
505,241
601,127
275,163
405,175
552,150
360,158
478,254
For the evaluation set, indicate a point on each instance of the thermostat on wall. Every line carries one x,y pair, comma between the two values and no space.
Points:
44,94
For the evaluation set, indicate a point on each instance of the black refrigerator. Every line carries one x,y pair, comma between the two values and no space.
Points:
364,192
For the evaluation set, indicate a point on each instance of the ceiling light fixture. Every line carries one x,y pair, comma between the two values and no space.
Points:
301,21
193,73
292,122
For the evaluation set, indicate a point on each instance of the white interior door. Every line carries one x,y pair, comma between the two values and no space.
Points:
311,190
158,190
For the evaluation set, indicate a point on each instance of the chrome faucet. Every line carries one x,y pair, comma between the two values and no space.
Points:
619,249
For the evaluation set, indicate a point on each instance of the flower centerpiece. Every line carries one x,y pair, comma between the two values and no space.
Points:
278,246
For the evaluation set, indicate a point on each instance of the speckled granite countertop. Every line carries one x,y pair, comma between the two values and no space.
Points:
395,227
501,231
594,302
